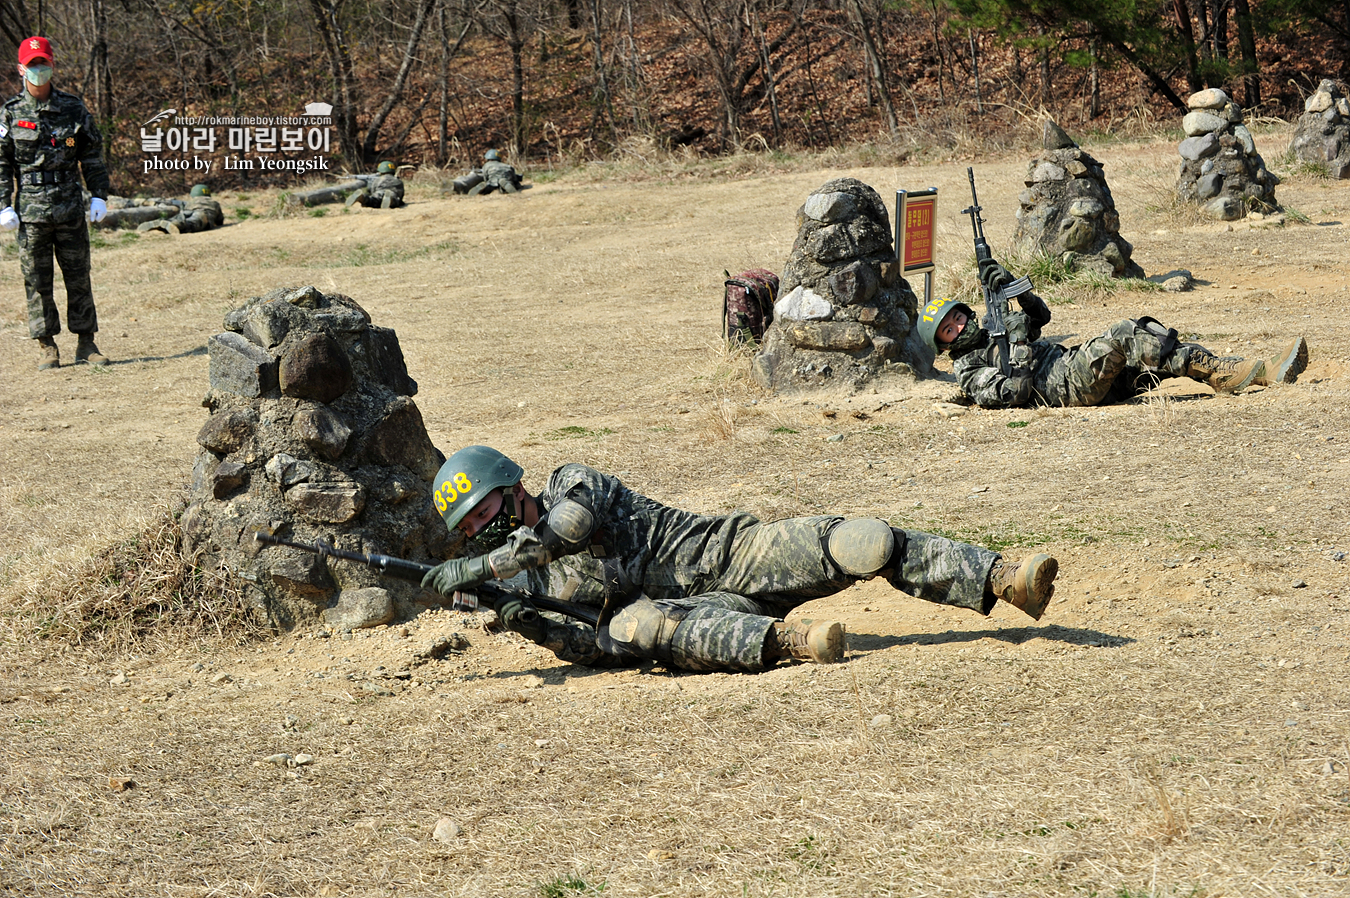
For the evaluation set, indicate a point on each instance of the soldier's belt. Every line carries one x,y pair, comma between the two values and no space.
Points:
43,178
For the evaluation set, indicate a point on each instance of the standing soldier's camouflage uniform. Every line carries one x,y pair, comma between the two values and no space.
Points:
705,592
1130,357
45,144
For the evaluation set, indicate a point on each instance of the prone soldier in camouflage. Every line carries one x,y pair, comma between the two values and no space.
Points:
383,190
698,592
200,213
47,138
1123,362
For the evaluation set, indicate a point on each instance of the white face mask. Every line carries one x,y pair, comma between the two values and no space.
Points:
37,75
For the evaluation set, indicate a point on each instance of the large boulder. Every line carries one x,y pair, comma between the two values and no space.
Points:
1323,133
1067,211
844,314
313,435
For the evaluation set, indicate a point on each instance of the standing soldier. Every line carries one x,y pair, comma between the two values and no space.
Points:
47,137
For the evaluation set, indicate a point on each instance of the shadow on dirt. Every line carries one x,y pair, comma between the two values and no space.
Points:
862,643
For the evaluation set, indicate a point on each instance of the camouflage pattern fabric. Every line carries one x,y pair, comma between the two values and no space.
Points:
383,192
52,141
500,175
724,578
1103,368
69,243
200,213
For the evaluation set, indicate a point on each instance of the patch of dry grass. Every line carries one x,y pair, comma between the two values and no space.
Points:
116,597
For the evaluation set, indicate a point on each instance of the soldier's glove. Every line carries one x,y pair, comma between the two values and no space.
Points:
1019,327
519,615
9,219
97,209
458,573
993,275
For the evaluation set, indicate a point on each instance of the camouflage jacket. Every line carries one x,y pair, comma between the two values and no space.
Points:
52,140
499,173
382,184
635,544
978,372
207,209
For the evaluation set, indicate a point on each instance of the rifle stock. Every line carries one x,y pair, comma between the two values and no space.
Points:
414,571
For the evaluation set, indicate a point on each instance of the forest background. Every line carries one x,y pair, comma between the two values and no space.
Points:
557,83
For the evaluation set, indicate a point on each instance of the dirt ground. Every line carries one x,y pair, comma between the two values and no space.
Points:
1177,723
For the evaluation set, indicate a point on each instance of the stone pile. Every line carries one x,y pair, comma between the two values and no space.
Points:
313,434
844,313
1067,211
1323,133
1220,168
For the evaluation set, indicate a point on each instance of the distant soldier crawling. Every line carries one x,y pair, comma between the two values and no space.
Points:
494,175
1123,362
200,213
698,592
383,190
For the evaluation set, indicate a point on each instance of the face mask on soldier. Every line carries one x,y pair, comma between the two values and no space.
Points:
37,75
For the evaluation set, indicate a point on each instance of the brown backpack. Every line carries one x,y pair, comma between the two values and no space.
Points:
747,307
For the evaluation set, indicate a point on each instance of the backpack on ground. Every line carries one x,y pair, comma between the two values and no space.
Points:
747,307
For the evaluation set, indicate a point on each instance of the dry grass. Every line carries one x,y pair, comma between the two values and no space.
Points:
1176,725
116,597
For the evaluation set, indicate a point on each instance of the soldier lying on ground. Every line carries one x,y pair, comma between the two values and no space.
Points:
199,213
494,175
1123,362
383,190
698,592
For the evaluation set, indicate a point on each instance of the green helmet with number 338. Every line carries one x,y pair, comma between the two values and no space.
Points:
467,477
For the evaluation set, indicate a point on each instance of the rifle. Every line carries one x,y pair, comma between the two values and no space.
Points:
467,600
995,301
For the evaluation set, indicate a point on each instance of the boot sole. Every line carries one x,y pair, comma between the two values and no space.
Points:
1286,368
1037,583
832,649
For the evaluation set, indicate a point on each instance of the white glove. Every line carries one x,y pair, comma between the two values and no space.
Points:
9,219
97,209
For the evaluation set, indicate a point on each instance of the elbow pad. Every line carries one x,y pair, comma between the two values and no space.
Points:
568,526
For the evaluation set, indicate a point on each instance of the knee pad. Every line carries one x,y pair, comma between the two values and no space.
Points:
860,547
644,629
1167,336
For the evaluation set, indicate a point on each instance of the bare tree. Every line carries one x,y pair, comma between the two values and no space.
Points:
368,154
721,26
864,26
344,82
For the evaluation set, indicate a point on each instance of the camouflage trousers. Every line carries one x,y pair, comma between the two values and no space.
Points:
69,243
1122,362
772,569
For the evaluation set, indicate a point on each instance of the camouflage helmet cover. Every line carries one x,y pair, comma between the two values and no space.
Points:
491,156
201,190
931,317
385,168
467,477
